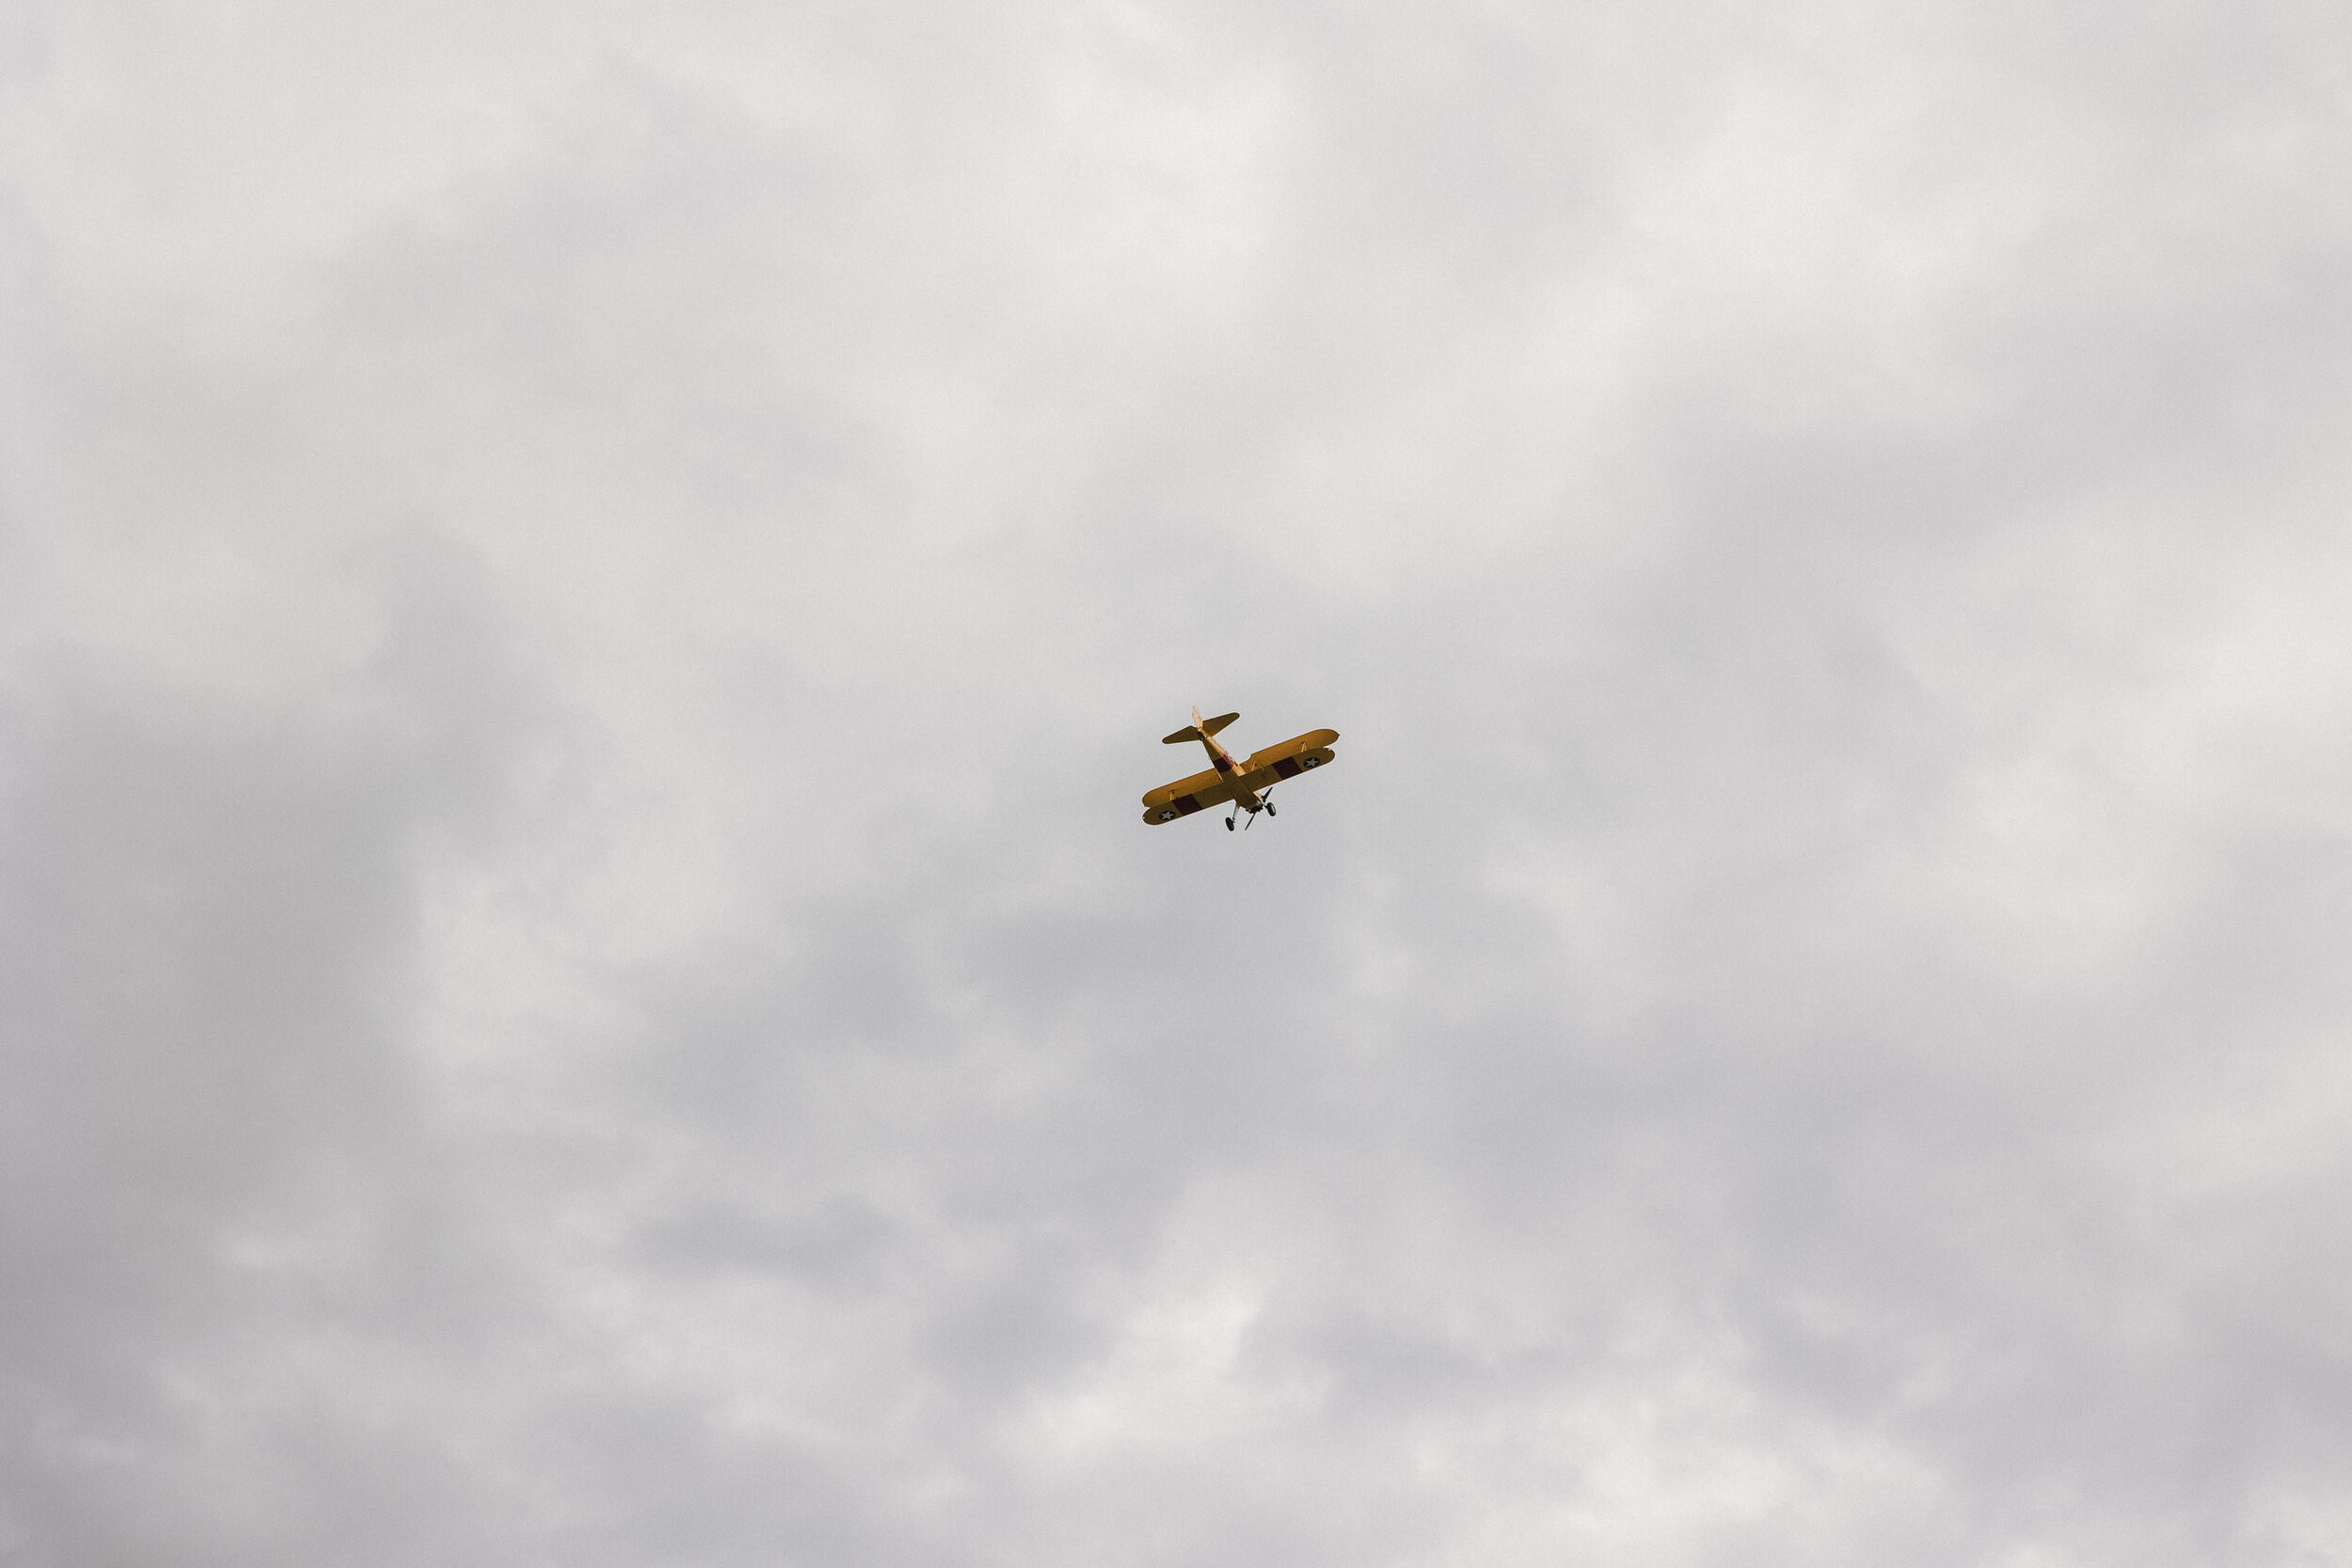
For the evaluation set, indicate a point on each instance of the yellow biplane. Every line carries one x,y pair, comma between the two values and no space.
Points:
1248,784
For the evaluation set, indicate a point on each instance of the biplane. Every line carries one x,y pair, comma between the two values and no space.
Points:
1249,785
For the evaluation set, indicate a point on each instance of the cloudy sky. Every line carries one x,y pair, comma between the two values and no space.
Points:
587,590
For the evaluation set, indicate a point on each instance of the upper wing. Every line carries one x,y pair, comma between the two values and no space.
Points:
1287,760
1206,779
1186,796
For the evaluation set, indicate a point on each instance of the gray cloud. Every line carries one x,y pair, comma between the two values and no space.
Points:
590,595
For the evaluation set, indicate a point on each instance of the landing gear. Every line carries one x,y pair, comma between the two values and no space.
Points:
1229,824
1269,808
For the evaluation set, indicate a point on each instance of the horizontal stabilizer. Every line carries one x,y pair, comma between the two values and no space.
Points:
1198,732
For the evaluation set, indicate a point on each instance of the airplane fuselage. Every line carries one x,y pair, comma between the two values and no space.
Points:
1222,760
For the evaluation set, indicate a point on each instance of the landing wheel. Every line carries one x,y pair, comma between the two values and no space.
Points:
1269,808
1229,824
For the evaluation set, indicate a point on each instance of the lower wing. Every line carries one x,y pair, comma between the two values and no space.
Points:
1296,755
1288,767
1295,748
1178,799
1207,778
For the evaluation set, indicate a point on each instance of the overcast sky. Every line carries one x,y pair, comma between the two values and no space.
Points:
588,591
